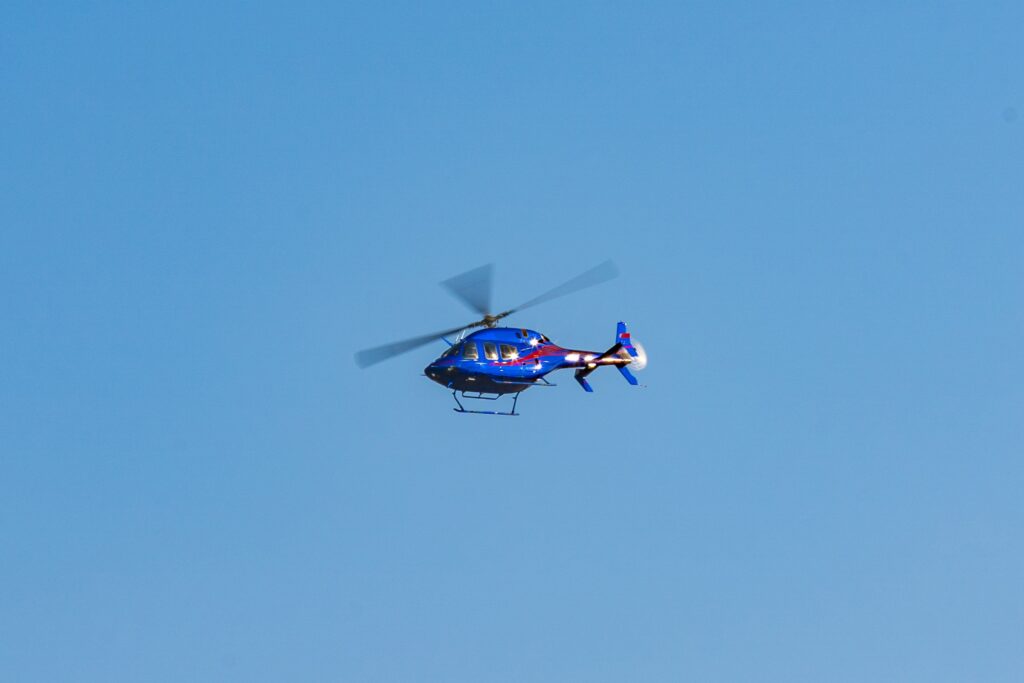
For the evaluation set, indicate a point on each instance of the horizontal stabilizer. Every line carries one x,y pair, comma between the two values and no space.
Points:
581,377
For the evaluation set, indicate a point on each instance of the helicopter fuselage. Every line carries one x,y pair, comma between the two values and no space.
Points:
507,360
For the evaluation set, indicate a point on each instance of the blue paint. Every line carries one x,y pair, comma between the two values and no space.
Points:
534,357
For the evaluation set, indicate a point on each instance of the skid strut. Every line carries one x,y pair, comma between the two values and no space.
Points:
482,397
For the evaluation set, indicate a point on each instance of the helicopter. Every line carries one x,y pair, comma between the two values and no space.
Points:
494,361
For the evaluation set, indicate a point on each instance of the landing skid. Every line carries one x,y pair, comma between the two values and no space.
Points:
480,396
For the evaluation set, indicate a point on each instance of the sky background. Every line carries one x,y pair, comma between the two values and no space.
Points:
818,213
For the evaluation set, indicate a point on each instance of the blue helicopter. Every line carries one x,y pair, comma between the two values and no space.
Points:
495,361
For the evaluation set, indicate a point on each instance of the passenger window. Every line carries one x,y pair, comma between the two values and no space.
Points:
508,352
490,351
470,352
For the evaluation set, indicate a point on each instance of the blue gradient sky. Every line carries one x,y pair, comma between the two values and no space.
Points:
819,217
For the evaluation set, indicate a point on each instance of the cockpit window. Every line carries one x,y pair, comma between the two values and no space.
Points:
544,340
509,352
451,351
490,351
470,351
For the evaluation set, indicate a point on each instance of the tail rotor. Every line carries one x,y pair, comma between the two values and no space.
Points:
640,361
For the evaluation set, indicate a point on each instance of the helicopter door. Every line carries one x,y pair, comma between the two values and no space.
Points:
508,353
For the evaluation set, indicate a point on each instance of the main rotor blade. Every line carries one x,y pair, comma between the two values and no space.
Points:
368,357
595,276
473,288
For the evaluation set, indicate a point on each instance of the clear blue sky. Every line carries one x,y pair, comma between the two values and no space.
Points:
819,217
